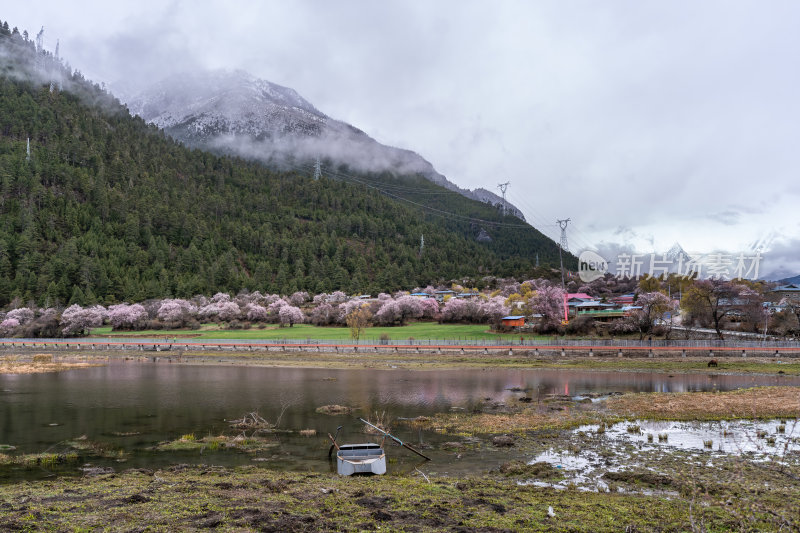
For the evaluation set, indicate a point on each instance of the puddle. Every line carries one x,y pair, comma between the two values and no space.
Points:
581,471
756,438
628,445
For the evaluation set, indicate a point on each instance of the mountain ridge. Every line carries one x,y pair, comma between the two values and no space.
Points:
236,113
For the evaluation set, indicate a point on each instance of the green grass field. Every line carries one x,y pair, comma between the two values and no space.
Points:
417,330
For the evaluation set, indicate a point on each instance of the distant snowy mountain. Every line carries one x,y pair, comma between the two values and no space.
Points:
677,253
234,112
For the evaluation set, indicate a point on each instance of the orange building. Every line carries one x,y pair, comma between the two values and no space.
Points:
513,321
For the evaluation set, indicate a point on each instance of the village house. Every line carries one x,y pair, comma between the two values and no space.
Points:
513,321
440,295
790,292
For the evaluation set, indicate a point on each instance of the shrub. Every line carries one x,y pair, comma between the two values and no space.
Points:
581,325
43,326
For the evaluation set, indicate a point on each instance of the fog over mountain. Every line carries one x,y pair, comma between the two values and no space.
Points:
237,113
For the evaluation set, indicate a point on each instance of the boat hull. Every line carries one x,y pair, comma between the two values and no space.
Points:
360,459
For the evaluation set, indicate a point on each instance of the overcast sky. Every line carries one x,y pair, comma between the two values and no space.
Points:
646,123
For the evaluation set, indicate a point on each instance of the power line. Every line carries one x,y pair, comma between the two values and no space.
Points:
441,212
539,222
393,191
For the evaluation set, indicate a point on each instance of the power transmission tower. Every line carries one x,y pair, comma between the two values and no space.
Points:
28,150
317,170
40,49
503,187
563,225
563,246
421,244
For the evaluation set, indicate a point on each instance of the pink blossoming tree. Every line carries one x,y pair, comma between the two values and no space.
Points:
75,320
291,315
124,316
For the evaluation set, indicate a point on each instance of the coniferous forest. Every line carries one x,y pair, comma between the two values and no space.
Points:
99,207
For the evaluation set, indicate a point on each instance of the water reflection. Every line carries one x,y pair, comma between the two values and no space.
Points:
134,405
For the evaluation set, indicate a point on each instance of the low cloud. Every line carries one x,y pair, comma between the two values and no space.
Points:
782,259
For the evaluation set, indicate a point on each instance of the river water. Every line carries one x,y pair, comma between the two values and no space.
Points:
133,406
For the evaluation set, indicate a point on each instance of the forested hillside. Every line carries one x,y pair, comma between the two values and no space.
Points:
105,209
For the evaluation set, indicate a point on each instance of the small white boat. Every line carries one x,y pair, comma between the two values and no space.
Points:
366,458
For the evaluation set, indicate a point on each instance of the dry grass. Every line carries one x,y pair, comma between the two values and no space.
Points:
762,402
484,423
15,367
335,410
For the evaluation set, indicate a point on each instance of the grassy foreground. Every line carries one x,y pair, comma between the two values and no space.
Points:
250,498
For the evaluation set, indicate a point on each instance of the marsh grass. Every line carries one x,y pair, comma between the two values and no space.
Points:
755,403
44,460
518,421
215,443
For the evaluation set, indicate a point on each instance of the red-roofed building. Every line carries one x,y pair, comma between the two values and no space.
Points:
578,295
625,299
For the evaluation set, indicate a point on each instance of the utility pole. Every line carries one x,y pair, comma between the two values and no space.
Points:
503,187
563,246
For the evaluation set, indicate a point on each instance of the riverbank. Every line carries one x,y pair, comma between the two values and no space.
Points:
410,360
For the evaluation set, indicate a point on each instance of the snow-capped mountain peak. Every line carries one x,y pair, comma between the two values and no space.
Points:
235,112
